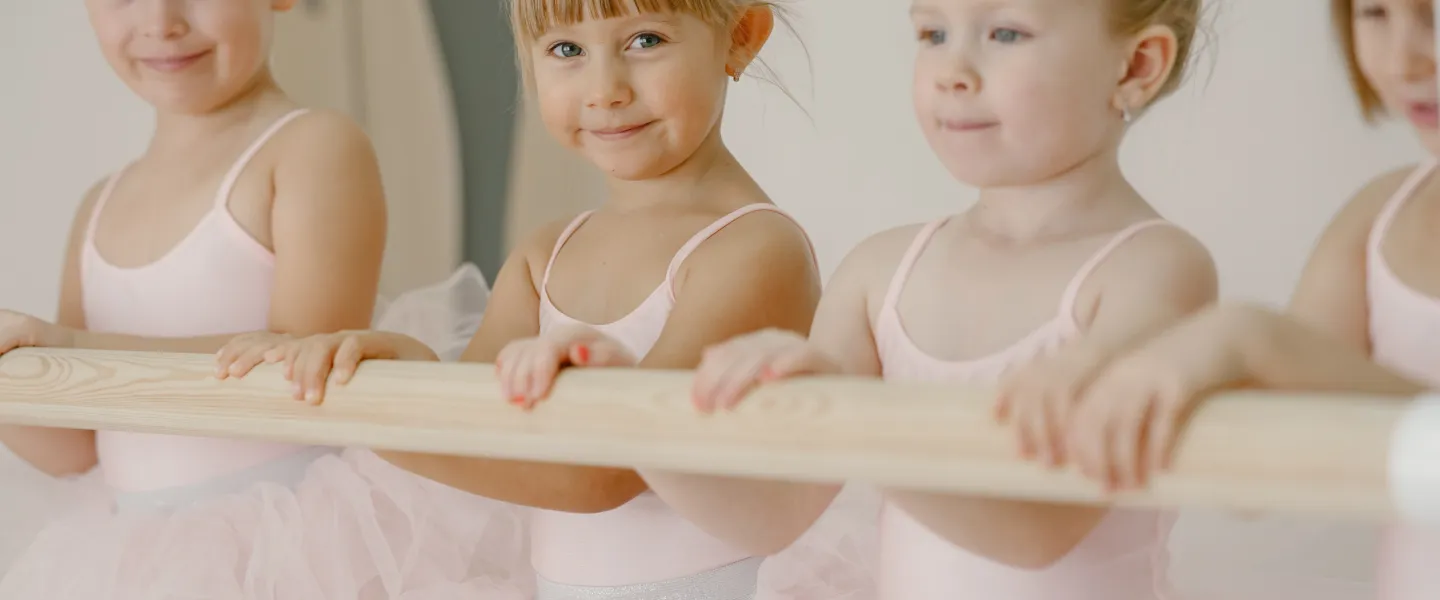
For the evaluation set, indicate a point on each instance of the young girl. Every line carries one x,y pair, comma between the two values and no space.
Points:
686,251
1059,260
1369,293
244,213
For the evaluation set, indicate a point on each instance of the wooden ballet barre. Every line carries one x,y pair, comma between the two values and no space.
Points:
1350,455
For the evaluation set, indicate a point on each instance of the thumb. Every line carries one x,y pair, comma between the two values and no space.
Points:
601,353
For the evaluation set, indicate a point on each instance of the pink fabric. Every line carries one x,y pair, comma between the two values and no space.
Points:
209,518
1122,559
647,541
1404,335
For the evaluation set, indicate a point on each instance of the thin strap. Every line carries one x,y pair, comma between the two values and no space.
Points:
560,243
1396,202
100,204
1072,291
907,264
708,232
228,184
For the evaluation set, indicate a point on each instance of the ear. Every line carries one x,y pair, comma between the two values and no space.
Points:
282,5
752,31
1149,61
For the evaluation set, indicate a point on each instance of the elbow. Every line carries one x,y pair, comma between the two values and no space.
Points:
592,493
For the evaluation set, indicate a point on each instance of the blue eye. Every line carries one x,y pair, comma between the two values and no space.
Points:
566,50
1006,36
933,37
646,40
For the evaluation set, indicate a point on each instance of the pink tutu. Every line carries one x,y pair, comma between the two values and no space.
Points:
837,559
320,524
355,527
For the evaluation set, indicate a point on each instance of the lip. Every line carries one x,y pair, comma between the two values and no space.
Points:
615,134
967,125
175,63
1424,114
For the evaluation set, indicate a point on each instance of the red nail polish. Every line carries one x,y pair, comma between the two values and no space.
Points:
582,354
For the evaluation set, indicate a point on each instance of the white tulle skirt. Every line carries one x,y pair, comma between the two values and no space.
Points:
319,525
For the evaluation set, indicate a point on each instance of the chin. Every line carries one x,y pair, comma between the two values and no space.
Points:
634,169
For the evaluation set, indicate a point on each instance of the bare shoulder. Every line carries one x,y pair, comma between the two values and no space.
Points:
871,264
535,248
329,132
758,234
1160,270
1365,206
1162,250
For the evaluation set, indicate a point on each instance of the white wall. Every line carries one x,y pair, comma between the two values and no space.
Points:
1254,155
65,122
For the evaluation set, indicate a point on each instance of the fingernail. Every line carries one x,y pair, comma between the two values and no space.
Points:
517,400
766,374
312,396
582,354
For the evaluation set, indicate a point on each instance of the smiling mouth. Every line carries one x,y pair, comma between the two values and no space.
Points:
964,126
172,64
620,133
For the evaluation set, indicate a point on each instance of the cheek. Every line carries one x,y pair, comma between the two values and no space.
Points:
557,105
689,99
240,29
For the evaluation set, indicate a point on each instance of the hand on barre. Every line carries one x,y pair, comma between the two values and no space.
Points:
527,368
310,362
730,371
19,330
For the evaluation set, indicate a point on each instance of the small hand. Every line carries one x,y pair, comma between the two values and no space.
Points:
1040,398
1127,422
729,371
310,361
19,330
527,368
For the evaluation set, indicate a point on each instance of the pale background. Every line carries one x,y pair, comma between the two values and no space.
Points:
1254,156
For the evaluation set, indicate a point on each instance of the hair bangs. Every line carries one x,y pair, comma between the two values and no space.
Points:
532,18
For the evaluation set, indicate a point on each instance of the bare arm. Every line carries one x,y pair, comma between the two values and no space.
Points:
757,274
62,452
328,229
513,313
1279,352
1331,296
1155,281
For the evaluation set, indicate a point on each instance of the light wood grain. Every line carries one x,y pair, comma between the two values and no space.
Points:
1251,451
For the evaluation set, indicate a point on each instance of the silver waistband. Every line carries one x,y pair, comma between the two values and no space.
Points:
286,471
731,582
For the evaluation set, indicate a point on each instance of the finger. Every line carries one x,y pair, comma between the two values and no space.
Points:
1162,436
292,356
509,376
347,359
740,379
318,376
793,362
1081,441
246,361
1125,447
541,379
276,354
1058,412
1024,440
713,364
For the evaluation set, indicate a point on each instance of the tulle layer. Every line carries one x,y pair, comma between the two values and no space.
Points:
355,527
837,559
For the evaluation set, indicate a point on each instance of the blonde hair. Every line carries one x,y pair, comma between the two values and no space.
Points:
1182,17
1342,17
530,19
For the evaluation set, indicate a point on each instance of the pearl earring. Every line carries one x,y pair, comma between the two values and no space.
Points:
1125,114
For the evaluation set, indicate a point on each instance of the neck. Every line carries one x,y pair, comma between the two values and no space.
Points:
1081,198
181,132
711,161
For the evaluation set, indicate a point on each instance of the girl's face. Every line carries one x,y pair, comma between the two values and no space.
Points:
637,95
189,56
1013,92
1395,49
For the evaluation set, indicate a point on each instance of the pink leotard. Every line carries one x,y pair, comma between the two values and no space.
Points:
217,280
1405,336
1120,560
643,541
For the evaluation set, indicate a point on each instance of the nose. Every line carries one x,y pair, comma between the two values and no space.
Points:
163,19
957,74
609,85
